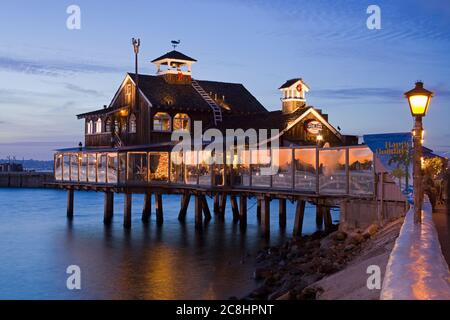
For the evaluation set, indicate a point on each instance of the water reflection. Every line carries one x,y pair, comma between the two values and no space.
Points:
147,262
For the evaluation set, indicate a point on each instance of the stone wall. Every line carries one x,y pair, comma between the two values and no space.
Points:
25,179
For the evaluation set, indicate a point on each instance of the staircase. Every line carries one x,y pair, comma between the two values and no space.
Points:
217,111
117,141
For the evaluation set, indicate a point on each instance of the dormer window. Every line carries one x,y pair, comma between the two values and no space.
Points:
181,121
133,123
162,122
90,127
98,126
128,94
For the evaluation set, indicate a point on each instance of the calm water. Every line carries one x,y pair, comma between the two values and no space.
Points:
37,244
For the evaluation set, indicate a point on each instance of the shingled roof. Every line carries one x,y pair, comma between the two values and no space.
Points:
289,83
184,96
176,55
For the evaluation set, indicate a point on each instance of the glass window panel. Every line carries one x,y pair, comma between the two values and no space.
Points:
332,175
218,170
137,166
101,167
112,168
361,171
176,167
283,179
74,165
66,167
83,168
58,167
241,167
191,167
122,167
181,121
204,169
305,169
261,168
159,166
92,167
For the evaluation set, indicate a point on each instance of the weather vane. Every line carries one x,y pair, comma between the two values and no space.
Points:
175,43
136,44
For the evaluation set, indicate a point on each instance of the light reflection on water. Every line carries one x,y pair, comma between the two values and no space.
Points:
38,243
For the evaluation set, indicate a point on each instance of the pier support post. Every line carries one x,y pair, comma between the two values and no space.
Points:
299,214
243,212
217,203
147,210
223,205
108,208
265,217
198,212
159,209
70,196
319,216
184,206
258,209
282,213
234,207
328,219
127,210
205,208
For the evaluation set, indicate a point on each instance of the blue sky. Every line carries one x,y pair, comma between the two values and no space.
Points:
48,73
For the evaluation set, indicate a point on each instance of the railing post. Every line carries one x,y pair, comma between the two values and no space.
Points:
293,168
347,170
317,171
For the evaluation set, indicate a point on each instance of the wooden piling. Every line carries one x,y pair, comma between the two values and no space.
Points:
127,210
265,217
319,216
108,207
70,198
147,210
205,207
327,218
184,206
282,213
299,214
243,212
234,208
198,212
223,204
217,203
258,210
159,209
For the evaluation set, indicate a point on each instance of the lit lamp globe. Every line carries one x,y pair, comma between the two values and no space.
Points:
419,100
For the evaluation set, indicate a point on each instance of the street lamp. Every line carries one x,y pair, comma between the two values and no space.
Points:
419,100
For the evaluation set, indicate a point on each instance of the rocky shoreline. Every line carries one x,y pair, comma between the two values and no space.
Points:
289,271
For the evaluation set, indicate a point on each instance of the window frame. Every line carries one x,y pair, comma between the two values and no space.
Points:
179,117
160,118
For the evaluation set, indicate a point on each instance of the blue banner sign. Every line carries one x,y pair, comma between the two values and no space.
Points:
394,151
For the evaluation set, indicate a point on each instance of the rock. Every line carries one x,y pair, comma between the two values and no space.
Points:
308,293
340,236
309,279
356,238
261,292
261,273
349,247
370,231
286,296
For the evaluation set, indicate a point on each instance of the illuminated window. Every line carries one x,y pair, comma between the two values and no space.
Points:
90,127
116,125
181,121
161,122
98,126
108,125
132,123
128,94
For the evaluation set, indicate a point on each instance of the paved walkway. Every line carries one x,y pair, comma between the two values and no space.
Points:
441,219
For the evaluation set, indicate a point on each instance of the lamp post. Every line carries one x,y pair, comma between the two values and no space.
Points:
419,100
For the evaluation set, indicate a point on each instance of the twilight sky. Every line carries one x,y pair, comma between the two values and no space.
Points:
49,73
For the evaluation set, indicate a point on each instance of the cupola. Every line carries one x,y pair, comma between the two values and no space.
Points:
175,67
293,95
